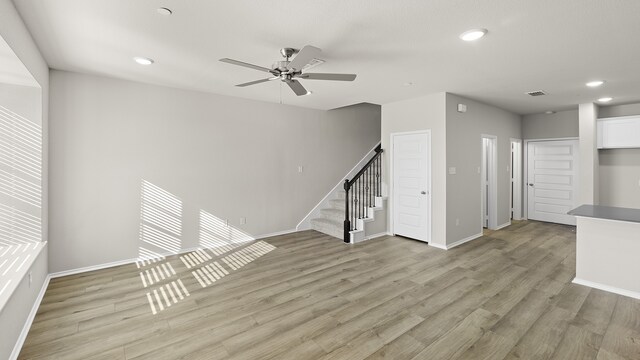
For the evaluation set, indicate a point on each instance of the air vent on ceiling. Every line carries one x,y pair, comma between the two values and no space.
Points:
536,93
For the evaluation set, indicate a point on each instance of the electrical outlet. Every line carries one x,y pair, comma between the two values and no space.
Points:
300,168
243,220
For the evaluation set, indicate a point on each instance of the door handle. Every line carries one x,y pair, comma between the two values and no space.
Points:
423,192
530,184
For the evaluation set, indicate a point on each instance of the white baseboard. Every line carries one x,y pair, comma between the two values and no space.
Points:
32,315
503,225
438,246
277,233
462,241
132,261
91,268
612,289
384,233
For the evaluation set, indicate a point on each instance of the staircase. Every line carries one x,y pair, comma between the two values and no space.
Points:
358,212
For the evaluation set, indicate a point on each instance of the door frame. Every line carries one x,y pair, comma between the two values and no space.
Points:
392,213
516,179
525,155
492,168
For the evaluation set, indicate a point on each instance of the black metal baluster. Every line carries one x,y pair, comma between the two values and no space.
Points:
346,227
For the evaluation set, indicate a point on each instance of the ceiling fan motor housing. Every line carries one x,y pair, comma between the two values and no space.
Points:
281,65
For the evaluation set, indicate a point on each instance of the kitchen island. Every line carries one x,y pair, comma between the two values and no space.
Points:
608,248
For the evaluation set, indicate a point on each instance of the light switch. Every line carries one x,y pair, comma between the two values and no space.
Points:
452,171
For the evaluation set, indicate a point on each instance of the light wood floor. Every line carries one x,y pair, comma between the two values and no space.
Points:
505,296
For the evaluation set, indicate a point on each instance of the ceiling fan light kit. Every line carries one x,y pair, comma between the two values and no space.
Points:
288,71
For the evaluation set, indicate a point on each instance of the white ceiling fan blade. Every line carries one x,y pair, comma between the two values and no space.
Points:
326,76
247,65
297,87
304,57
257,81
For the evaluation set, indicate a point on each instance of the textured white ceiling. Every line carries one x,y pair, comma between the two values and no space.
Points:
552,45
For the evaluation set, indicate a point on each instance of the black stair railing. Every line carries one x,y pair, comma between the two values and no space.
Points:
361,193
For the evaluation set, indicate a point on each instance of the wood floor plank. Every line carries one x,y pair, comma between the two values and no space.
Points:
506,295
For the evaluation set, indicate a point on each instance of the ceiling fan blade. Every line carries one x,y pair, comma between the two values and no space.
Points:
297,87
326,76
251,66
257,81
304,57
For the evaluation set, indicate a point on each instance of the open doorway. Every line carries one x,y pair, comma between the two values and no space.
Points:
516,179
488,181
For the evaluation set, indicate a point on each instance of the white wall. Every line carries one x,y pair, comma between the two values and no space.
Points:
16,311
620,168
227,156
426,112
562,124
589,192
464,152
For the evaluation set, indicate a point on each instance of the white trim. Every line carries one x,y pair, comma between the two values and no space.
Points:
525,169
27,325
503,225
615,290
277,233
460,242
96,267
371,237
391,214
305,223
438,246
132,261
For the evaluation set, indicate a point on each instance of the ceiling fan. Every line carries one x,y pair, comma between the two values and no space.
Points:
288,71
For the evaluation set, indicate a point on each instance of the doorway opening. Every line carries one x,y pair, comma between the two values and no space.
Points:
516,179
489,182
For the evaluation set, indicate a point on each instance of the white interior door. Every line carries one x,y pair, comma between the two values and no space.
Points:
411,154
552,180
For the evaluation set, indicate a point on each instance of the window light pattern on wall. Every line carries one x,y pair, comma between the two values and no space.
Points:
219,237
160,224
20,179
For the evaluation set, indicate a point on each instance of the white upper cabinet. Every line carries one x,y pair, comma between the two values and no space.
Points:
619,132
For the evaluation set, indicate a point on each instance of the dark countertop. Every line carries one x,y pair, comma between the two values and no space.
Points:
607,213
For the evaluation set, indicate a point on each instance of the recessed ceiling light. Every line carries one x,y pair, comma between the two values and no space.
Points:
143,60
595,83
309,93
605,99
164,11
549,112
473,34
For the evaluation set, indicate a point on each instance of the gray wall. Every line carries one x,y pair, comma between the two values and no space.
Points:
426,112
548,126
227,156
464,152
620,168
16,311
